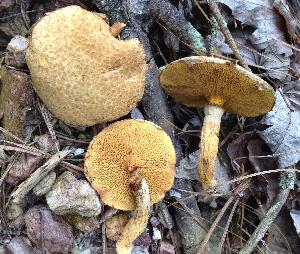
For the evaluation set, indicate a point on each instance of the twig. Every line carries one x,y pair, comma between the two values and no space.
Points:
39,174
217,14
17,149
6,132
203,245
167,15
104,247
287,180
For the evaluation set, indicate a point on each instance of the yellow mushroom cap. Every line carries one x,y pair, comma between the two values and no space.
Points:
130,145
195,80
80,71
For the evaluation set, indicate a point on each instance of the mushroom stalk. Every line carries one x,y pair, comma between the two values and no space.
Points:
137,224
209,145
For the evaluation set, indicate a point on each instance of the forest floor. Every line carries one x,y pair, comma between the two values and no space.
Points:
254,207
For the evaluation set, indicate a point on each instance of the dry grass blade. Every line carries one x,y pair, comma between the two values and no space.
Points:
45,114
291,170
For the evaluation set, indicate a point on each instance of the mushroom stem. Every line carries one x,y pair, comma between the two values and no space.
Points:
209,145
137,224
116,28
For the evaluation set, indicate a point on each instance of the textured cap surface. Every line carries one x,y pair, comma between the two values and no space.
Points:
80,71
130,145
193,80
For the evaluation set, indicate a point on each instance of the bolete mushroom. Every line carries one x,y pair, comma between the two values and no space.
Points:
131,164
216,85
82,72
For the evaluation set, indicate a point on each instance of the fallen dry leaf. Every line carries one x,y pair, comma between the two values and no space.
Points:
283,135
292,24
265,46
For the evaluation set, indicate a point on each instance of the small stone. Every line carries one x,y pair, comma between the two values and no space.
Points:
2,250
78,151
144,240
136,114
45,185
166,248
69,195
17,245
154,221
46,143
16,99
23,167
83,224
115,226
77,251
4,4
13,211
139,250
17,48
52,231
156,234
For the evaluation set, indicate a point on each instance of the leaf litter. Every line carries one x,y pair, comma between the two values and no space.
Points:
267,36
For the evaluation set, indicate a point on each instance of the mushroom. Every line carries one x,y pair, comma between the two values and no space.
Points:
131,164
82,72
216,85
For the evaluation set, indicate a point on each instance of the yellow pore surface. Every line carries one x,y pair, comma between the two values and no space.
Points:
130,145
80,71
196,81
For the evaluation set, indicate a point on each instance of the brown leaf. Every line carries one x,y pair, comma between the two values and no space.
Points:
238,153
258,157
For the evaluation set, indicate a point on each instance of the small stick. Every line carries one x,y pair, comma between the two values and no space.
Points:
104,246
217,14
287,180
169,17
240,188
39,174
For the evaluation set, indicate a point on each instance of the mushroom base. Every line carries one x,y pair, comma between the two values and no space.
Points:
209,145
137,224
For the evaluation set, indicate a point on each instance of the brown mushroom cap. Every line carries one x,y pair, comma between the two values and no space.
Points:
80,71
130,145
194,80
